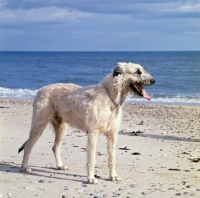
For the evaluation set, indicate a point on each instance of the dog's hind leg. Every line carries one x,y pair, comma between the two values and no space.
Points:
111,144
35,133
60,129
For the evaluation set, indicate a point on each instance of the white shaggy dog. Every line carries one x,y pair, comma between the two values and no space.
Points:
94,109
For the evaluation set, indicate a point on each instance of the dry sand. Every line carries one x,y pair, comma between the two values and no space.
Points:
155,149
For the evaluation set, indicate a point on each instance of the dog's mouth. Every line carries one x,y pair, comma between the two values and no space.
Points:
137,88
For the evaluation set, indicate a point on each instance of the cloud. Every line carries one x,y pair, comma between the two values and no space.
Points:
89,23
138,8
44,14
108,12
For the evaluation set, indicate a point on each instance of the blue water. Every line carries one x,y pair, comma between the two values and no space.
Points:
177,74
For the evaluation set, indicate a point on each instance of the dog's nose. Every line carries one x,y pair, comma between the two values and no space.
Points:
152,81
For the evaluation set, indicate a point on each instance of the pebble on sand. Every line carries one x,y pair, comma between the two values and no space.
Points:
41,181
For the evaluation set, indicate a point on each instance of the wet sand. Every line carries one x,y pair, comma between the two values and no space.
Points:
158,155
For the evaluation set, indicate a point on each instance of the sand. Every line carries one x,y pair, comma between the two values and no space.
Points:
158,152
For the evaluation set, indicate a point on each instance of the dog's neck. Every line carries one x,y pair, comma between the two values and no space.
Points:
114,90
113,101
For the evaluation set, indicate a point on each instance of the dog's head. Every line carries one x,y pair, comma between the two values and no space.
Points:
134,78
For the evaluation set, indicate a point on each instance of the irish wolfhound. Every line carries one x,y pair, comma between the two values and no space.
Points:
94,109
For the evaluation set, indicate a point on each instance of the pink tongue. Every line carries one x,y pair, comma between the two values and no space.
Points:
144,93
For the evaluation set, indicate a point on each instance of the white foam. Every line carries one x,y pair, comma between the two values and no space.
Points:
17,93
159,98
165,100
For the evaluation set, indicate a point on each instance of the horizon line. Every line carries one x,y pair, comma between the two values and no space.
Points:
100,51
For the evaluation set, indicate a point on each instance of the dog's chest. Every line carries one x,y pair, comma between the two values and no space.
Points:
109,121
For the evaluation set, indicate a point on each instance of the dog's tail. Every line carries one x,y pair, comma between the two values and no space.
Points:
22,147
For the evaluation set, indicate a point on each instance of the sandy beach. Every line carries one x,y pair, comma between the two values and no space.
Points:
158,155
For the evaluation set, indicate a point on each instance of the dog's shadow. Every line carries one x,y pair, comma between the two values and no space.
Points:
46,172
162,137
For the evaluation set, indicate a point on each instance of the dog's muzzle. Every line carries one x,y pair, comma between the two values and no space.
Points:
140,91
152,81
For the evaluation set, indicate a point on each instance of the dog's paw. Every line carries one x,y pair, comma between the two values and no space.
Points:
63,167
115,178
27,170
92,181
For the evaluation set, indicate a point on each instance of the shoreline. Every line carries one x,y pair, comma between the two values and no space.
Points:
154,152
126,102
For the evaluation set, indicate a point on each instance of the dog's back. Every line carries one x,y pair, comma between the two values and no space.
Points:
44,105
47,97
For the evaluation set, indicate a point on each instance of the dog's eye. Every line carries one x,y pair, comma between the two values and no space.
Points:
138,72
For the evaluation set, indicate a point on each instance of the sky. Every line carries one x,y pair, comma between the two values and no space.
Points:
99,25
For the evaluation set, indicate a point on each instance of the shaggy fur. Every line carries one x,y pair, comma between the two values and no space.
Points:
93,109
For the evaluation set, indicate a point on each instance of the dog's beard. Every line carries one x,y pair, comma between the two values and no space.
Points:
139,90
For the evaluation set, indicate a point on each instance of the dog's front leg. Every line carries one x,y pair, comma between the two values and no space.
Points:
111,143
91,154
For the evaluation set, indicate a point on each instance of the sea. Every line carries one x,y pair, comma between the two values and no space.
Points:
177,73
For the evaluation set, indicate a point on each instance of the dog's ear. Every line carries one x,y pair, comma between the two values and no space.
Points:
117,71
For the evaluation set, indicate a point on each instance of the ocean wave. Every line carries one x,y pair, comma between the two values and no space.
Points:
168,99
156,98
17,93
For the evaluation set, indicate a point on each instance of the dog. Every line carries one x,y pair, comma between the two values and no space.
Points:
93,109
